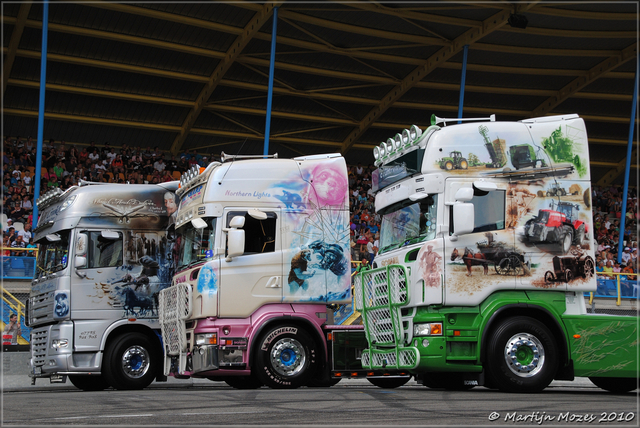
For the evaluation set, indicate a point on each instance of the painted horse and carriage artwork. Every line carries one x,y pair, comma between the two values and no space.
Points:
505,259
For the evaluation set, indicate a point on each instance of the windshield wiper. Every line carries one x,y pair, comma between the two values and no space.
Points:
389,247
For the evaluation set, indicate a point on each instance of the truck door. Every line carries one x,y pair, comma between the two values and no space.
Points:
256,277
93,293
480,262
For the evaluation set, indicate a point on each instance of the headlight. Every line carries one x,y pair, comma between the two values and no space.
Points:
67,202
207,339
59,343
430,329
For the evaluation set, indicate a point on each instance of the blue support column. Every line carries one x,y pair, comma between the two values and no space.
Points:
267,127
627,169
462,80
43,83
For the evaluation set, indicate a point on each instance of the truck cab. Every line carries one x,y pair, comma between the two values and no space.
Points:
262,249
104,255
472,284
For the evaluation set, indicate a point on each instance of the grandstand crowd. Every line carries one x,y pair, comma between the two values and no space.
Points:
65,165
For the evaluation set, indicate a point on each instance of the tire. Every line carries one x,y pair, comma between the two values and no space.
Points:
286,357
389,382
243,382
448,166
516,265
448,381
615,384
565,242
568,275
549,193
89,383
464,164
589,268
503,267
521,355
131,362
580,235
548,276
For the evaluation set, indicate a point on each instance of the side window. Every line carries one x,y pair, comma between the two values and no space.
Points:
489,211
104,252
259,235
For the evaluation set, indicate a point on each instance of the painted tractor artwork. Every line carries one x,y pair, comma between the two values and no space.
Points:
524,155
558,224
566,268
556,190
454,161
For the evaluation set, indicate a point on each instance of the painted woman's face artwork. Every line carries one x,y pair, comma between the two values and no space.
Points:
330,186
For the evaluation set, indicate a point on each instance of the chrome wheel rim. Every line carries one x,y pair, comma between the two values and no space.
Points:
135,362
524,355
288,357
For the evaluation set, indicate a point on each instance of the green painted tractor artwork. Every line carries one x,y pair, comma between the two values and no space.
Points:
524,155
454,161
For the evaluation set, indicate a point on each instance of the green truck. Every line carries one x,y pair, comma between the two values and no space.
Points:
433,304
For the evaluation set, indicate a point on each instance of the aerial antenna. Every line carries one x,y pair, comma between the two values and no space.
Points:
232,157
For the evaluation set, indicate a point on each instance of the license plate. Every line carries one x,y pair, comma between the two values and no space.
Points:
37,370
57,378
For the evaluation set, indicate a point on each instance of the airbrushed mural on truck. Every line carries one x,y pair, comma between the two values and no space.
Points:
132,267
493,295
314,202
543,202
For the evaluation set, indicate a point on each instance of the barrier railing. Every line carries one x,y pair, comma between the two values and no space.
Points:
13,264
604,284
15,304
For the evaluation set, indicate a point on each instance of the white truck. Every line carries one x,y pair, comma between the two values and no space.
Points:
104,255
263,250
481,274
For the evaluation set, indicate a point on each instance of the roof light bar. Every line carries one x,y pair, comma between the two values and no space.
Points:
397,145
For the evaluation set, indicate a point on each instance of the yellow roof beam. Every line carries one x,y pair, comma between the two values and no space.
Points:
582,81
16,35
469,37
618,169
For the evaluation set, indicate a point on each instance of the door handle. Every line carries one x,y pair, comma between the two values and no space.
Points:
274,282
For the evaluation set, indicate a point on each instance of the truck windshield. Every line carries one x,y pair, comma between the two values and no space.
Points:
53,256
195,245
408,222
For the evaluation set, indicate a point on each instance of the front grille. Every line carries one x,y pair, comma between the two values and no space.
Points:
41,309
39,343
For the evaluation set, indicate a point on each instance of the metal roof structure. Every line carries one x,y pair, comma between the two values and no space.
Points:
348,75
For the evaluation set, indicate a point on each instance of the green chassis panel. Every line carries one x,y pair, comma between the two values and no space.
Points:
603,345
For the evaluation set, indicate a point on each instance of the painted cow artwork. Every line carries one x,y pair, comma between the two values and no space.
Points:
471,259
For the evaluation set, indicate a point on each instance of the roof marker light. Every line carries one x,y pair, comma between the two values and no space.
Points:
398,142
415,132
406,138
383,149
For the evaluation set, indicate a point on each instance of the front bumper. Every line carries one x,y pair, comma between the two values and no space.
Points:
47,361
